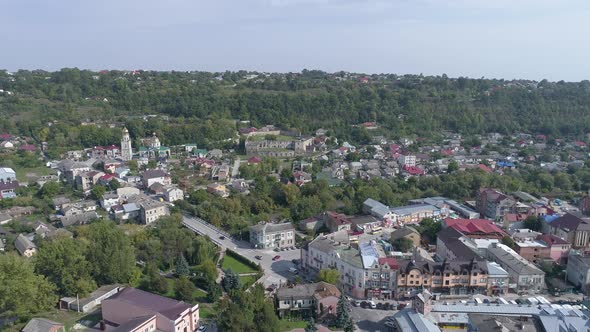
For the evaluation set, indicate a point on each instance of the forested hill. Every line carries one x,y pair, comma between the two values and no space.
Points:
304,101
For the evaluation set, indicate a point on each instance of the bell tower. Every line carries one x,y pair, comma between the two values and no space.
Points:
126,150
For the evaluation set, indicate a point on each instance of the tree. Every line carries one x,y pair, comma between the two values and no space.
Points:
208,270
114,184
453,166
98,191
22,292
430,228
507,240
214,292
49,189
311,327
343,318
330,276
185,289
231,280
64,263
110,253
182,267
533,223
403,244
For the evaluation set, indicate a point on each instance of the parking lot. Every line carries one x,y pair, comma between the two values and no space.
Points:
371,319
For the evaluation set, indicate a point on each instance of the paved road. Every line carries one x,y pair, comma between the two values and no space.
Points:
275,272
370,319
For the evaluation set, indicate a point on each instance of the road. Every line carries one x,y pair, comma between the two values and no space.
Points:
275,272
370,319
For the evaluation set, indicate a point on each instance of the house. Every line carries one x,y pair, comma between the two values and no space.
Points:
215,154
523,275
319,299
45,230
43,325
8,189
172,194
134,310
558,248
407,232
572,228
108,200
365,223
152,176
268,235
78,219
125,192
6,145
60,202
149,210
7,174
337,221
89,303
254,160
217,189
68,170
24,246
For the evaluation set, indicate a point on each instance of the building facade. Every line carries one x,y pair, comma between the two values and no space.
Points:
267,235
126,150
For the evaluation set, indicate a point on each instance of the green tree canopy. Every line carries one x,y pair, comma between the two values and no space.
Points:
330,276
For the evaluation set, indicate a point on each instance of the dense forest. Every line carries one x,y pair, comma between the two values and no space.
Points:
200,106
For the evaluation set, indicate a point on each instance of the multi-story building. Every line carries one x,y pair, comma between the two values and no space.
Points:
578,270
150,210
407,160
498,280
447,277
318,299
278,146
268,235
523,275
573,228
152,176
413,214
558,248
475,228
494,204
337,221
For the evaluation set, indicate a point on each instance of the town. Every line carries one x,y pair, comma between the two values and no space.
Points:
377,233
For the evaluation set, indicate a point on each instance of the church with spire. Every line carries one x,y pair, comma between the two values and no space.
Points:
126,150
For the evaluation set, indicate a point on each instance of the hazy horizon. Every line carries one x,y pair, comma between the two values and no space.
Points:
503,39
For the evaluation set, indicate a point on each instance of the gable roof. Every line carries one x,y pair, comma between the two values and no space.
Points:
570,222
41,325
473,226
403,232
23,243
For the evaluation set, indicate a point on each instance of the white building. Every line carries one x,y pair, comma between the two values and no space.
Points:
172,194
407,160
126,150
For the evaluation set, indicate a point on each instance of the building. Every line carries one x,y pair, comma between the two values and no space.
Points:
126,150
277,145
337,221
135,310
523,275
24,246
365,223
268,235
150,210
318,299
494,204
89,303
498,280
407,160
447,207
376,209
153,149
407,232
452,277
573,229
43,325
578,270
532,250
152,176
453,245
413,214
7,174
8,189
172,194
475,228
558,248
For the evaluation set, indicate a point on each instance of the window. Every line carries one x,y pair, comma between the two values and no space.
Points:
482,280
375,275
475,274
447,274
446,282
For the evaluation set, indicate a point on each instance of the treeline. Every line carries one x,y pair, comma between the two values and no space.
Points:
402,105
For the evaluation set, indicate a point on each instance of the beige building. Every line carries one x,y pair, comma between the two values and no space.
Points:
267,235
150,209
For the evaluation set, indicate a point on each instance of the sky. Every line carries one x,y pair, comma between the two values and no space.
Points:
522,39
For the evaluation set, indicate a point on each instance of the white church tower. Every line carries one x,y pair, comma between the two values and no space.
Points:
126,150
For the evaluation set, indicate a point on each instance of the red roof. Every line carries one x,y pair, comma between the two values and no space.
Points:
472,226
5,137
254,160
391,261
550,239
413,170
580,143
107,177
484,168
28,147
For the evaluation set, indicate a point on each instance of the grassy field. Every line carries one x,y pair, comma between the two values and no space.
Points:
22,173
288,325
235,265
247,281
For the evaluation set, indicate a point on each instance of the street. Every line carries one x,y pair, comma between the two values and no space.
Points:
370,319
275,272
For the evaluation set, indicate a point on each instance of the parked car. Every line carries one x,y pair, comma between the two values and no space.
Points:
400,306
258,257
222,237
356,303
372,305
202,328
276,258
364,304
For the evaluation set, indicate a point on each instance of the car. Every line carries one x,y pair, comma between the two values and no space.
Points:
293,270
356,303
276,258
295,261
277,249
372,305
222,237
258,257
202,328
400,306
